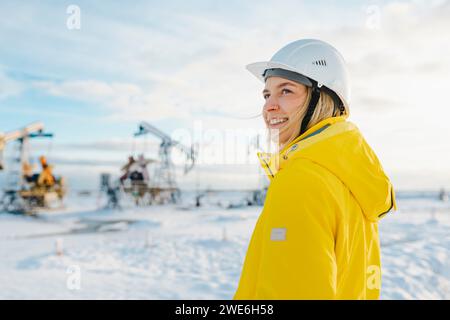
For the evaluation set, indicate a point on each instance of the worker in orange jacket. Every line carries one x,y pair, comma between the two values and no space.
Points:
46,177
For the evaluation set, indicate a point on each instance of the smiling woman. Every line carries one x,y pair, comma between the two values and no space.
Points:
317,236
286,104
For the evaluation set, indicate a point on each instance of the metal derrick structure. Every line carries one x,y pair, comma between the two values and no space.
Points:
21,196
162,186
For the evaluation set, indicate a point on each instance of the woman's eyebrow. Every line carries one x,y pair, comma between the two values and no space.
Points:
280,85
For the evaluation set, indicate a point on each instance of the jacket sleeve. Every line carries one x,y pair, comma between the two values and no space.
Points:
297,237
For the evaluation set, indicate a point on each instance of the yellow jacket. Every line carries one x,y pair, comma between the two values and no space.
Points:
317,236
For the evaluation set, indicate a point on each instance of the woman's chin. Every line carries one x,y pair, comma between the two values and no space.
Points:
278,142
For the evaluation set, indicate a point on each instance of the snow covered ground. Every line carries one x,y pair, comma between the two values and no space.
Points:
176,252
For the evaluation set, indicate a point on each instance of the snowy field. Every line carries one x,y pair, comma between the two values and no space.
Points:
181,252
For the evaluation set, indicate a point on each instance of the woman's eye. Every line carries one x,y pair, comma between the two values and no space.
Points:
285,91
266,96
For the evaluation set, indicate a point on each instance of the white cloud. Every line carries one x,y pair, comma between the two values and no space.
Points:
128,102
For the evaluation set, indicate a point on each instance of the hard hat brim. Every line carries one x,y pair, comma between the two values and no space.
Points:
258,68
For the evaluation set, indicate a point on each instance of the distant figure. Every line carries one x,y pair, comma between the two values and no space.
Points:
443,196
27,172
113,197
113,194
135,172
138,170
126,169
143,167
46,177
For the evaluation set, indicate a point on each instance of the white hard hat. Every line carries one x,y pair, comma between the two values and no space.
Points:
314,59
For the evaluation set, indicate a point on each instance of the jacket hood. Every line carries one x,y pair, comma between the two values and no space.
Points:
337,145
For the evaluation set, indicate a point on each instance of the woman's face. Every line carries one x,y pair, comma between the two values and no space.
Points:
283,99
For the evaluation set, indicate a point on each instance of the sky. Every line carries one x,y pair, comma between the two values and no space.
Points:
92,73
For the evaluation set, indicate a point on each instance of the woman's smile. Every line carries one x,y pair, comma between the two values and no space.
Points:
277,122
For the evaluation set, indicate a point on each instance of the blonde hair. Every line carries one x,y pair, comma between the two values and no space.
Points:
324,110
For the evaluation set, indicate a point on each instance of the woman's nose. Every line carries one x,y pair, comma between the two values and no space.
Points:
271,104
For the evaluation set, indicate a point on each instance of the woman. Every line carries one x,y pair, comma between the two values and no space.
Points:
317,236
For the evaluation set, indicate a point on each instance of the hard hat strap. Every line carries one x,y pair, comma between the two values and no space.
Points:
315,95
338,105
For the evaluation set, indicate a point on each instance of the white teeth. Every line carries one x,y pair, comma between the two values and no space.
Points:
276,121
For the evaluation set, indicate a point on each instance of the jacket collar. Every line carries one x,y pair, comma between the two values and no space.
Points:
272,163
